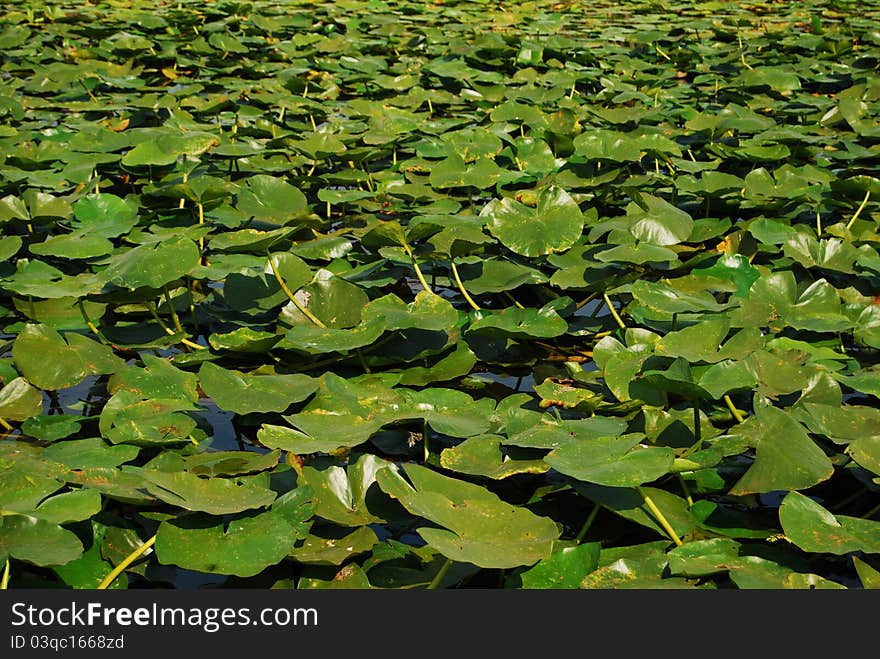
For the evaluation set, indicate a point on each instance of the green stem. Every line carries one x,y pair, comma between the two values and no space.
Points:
174,317
4,582
686,490
661,518
128,560
514,300
613,311
202,258
290,296
579,538
585,301
151,307
871,512
435,582
859,209
363,361
418,270
425,447
698,430
461,287
5,424
88,321
736,413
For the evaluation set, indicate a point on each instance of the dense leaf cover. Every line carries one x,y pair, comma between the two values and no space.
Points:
392,294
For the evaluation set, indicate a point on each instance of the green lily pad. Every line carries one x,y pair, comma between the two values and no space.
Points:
317,550
52,361
553,224
244,339
230,463
565,568
427,312
612,461
217,496
90,569
340,494
73,506
657,222
19,400
271,200
158,379
814,529
480,525
482,456
244,546
153,265
105,215
535,323
128,418
785,456
245,393
629,503
90,452
50,428
37,541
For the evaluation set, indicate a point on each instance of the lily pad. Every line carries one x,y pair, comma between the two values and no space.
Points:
553,224
243,394
480,525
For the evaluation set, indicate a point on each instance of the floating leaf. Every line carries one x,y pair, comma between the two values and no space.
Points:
35,540
785,456
271,200
814,529
553,224
52,361
217,496
565,568
482,456
153,265
612,461
244,546
340,494
482,529
242,393
19,400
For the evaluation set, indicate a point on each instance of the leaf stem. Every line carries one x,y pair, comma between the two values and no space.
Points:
859,209
174,317
514,300
585,301
435,582
416,267
290,296
686,490
128,560
201,208
425,448
736,413
661,518
94,329
4,582
5,424
461,287
151,307
742,54
579,538
613,311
